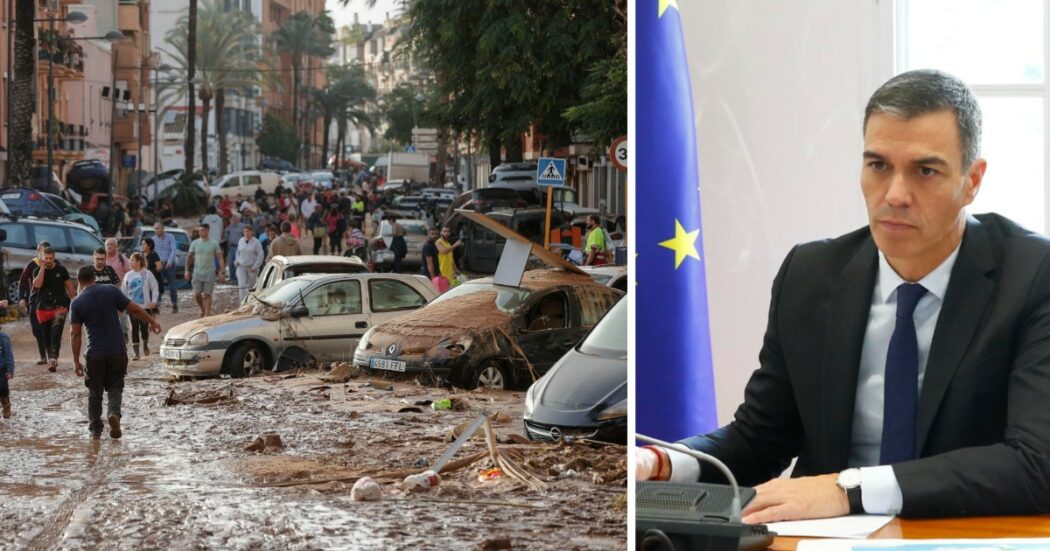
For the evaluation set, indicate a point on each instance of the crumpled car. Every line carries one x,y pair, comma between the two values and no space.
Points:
316,317
481,334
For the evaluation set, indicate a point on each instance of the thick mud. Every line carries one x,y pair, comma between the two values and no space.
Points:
198,468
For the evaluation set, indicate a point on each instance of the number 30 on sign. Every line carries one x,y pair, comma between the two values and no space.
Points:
618,153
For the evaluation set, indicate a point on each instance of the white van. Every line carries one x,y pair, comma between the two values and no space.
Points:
245,183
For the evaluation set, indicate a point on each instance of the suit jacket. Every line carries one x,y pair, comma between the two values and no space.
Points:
983,434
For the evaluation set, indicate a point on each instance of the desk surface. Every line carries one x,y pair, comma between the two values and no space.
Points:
973,527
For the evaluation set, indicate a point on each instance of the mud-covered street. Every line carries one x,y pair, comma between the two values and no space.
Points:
198,465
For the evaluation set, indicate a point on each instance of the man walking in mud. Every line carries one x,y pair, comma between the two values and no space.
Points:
98,308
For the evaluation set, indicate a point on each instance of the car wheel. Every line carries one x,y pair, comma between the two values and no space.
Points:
246,360
490,375
12,287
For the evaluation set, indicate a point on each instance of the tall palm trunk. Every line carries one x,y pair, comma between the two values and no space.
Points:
23,96
296,64
205,110
191,70
220,130
340,141
324,141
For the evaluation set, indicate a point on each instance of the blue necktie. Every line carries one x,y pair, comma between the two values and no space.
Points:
902,381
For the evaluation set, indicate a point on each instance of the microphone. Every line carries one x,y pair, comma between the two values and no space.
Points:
735,505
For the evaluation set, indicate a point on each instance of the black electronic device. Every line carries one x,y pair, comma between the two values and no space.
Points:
693,516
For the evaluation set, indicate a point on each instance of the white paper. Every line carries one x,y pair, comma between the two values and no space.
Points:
853,526
1027,544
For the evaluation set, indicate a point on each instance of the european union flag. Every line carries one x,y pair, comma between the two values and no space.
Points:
675,385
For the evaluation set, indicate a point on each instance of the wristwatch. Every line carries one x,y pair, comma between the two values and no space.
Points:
849,481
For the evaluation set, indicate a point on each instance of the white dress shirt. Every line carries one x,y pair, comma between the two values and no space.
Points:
880,491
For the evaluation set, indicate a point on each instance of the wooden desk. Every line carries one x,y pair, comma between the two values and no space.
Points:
972,527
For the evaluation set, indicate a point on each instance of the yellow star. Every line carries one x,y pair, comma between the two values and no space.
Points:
664,4
683,244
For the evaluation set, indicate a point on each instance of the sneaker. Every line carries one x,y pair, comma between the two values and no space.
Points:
114,426
145,350
41,361
52,366
135,357
174,308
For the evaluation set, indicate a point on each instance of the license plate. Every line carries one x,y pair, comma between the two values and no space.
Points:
389,365
169,354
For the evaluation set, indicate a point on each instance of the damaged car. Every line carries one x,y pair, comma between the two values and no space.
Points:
585,394
313,317
481,334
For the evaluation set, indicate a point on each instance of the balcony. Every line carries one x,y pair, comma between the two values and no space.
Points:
128,20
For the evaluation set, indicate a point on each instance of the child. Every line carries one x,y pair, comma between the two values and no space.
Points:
141,287
7,366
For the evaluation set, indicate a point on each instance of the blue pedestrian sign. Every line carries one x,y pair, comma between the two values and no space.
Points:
550,172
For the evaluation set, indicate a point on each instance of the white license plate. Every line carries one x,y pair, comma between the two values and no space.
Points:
389,365
169,354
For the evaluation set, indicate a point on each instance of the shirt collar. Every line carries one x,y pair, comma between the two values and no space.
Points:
935,282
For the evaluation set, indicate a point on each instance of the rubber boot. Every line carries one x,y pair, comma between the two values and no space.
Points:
5,401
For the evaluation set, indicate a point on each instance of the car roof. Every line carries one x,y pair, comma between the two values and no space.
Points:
605,270
316,259
166,230
51,221
538,280
358,275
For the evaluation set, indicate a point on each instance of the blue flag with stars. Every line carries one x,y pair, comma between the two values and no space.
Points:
675,385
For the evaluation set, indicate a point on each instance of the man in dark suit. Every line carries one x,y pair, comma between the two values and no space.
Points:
906,364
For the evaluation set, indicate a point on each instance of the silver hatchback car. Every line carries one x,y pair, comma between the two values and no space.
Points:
314,316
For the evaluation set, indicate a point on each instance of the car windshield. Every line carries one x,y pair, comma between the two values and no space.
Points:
63,204
284,292
609,336
506,299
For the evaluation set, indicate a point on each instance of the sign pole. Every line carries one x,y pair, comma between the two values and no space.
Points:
547,233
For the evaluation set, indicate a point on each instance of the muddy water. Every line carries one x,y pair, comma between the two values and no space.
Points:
181,478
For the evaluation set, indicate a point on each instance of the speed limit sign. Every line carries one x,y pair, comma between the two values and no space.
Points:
618,153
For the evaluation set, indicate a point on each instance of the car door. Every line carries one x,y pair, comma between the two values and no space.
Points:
336,321
388,298
550,329
250,183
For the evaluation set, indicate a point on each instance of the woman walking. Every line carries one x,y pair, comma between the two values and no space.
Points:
317,228
336,229
141,287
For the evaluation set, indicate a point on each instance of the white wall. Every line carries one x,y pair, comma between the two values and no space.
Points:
779,89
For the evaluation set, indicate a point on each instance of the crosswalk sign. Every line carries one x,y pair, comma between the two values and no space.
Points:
550,172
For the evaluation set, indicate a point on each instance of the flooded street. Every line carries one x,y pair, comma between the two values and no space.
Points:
186,474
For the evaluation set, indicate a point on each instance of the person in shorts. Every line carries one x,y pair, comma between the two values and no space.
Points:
206,263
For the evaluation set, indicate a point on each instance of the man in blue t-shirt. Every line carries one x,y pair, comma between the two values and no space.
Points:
98,308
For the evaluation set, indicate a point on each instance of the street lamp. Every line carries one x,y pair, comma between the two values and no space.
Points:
74,17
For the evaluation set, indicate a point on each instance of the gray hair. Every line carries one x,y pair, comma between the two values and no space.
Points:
923,91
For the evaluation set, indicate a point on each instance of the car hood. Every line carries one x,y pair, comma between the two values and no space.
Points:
579,385
219,328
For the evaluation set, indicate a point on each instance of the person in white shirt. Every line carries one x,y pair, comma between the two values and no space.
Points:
248,261
141,287
308,206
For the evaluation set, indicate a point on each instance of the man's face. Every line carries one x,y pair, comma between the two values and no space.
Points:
247,231
159,228
432,234
203,231
49,260
915,186
446,233
99,261
111,248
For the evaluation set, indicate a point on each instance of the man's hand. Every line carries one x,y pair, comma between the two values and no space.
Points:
797,499
154,326
186,275
10,376
78,369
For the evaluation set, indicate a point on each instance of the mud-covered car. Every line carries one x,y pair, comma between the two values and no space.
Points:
585,394
313,316
283,267
494,336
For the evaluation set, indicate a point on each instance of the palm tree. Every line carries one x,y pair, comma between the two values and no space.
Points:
20,141
230,60
342,100
303,37
191,73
